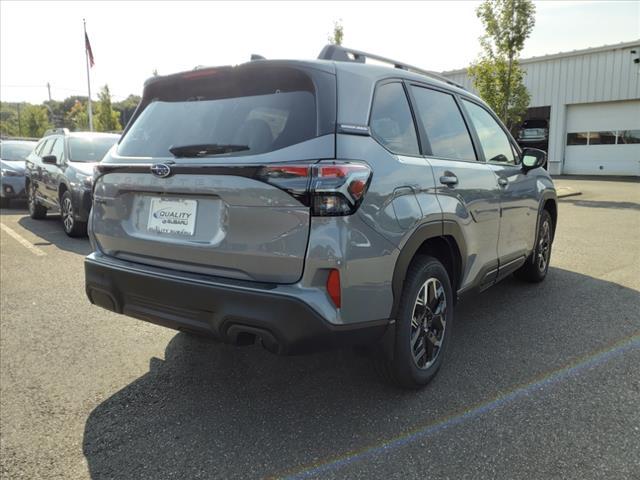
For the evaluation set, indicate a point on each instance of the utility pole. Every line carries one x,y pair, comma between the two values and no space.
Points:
49,90
86,53
19,123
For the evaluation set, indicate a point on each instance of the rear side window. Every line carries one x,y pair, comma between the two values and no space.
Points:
494,141
391,120
251,111
443,124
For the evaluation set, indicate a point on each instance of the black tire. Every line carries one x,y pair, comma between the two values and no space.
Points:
5,202
537,265
72,226
36,211
405,369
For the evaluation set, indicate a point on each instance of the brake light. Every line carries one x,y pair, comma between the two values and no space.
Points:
333,287
330,189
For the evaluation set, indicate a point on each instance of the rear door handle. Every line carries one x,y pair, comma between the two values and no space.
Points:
449,179
503,182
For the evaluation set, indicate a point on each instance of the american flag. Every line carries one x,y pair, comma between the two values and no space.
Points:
87,46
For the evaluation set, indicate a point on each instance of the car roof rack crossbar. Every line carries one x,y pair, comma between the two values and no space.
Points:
343,54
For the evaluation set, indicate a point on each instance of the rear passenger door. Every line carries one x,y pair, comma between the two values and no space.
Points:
518,191
465,186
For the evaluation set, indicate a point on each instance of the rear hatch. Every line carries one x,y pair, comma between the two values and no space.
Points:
188,187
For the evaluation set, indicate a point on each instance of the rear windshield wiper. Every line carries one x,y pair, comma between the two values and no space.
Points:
205,149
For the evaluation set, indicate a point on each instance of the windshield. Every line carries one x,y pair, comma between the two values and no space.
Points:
16,151
89,149
258,123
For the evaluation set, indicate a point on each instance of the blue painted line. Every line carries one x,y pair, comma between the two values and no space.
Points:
553,377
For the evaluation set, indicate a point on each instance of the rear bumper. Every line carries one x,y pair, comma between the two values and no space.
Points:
13,187
82,200
233,311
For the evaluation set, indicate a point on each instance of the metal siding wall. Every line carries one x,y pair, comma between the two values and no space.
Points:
588,77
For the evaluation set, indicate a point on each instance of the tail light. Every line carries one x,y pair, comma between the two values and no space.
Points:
329,189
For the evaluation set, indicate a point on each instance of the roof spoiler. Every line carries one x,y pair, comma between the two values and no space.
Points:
342,54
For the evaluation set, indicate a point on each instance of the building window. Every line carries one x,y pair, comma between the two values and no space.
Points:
610,137
581,138
602,138
629,136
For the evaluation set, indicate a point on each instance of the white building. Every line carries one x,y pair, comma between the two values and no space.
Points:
591,99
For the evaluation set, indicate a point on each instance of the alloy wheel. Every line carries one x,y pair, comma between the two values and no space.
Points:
544,246
67,214
428,323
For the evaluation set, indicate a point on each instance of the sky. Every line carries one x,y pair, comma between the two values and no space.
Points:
42,42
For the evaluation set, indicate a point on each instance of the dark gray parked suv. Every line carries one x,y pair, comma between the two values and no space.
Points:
59,176
314,204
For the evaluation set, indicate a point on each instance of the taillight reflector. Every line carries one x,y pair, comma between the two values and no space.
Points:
333,287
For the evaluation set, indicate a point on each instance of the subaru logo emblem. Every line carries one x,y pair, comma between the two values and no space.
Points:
161,170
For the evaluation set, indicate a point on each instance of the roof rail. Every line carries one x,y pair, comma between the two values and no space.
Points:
56,131
343,54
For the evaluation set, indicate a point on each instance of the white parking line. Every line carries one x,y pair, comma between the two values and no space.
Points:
32,248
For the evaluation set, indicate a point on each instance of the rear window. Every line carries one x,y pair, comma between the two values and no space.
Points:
89,149
260,112
15,151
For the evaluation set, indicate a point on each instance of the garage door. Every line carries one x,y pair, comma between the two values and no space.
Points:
603,139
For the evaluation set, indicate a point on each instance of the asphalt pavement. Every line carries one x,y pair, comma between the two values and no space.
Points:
542,381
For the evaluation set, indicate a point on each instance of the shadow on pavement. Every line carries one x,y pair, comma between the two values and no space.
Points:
602,204
210,410
51,232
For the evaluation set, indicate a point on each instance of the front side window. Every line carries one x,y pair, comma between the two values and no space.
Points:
58,149
443,124
391,121
494,141
45,148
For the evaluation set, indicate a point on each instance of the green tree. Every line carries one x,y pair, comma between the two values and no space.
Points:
497,74
77,117
9,119
126,107
338,33
106,119
35,120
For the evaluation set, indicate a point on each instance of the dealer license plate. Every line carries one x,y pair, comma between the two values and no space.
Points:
175,216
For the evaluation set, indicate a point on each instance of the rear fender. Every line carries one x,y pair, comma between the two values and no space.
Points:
447,230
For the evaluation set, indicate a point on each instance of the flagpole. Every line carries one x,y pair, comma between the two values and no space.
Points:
86,54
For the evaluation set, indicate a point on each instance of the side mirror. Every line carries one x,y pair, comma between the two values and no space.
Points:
533,158
50,159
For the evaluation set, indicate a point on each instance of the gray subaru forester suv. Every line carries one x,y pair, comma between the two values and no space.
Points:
316,204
